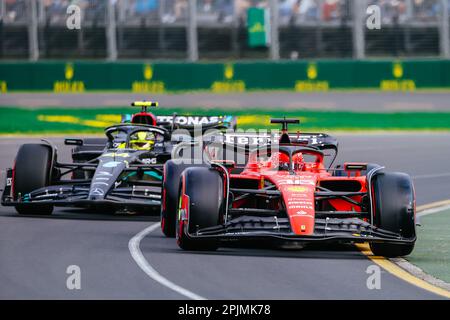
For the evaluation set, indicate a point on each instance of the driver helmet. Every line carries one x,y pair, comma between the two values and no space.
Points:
142,140
298,161
283,162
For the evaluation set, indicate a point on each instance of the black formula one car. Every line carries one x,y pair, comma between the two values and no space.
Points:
120,172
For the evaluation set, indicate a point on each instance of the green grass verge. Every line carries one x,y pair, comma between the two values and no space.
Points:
93,120
432,250
254,90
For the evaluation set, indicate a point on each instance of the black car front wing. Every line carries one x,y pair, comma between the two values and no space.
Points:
76,193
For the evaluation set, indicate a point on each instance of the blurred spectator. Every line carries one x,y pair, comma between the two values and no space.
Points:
309,10
330,10
94,10
241,7
215,10
426,9
224,11
181,8
15,10
288,10
205,6
147,9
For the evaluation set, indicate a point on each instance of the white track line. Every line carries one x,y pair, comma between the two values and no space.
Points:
429,176
433,210
136,253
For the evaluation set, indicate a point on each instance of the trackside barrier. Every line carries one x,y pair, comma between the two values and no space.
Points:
301,76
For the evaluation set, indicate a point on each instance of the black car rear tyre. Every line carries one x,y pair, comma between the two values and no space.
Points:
32,171
204,189
394,211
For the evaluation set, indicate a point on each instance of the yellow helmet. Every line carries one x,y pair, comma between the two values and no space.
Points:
142,140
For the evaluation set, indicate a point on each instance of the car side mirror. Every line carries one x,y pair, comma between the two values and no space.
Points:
73,142
230,164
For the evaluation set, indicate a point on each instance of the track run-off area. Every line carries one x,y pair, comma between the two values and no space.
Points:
127,257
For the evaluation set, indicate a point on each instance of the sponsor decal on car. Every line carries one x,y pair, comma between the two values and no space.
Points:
299,202
297,196
303,214
116,154
297,189
112,164
302,207
247,139
191,120
149,161
297,182
100,183
101,178
98,192
104,173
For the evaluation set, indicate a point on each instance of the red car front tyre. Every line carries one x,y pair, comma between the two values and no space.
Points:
200,206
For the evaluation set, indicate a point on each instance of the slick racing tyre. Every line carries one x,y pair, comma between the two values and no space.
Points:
32,171
394,211
200,206
339,172
171,186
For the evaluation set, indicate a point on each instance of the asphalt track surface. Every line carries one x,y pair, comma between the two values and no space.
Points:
35,252
355,101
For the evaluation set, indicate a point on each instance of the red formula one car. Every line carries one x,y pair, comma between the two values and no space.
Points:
286,193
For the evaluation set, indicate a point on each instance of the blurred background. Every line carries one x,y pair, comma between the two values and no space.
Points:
219,29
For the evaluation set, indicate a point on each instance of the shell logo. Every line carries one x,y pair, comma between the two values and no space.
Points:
297,189
148,72
312,72
69,71
397,70
229,71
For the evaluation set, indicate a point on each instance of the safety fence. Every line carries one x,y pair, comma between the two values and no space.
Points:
222,29
301,76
